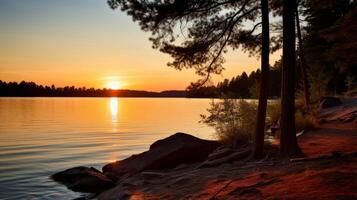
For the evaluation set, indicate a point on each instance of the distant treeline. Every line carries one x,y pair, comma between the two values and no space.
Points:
31,89
247,86
242,86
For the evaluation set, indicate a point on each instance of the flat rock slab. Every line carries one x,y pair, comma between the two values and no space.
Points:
328,102
83,179
166,153
345,114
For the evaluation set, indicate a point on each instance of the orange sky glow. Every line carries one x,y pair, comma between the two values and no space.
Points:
85,43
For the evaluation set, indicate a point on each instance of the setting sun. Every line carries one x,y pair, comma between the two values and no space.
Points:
114,85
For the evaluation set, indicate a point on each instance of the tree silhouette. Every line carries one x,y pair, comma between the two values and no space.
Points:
264,83
288,141
197,33
303,65
208,28
241,86
277,7
330,42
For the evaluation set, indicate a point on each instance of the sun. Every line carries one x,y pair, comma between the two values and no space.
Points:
114,85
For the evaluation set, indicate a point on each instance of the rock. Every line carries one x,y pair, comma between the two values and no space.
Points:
83,179
111,176
146,175
228,158
118,192
80,198
328,102
219,153
177,149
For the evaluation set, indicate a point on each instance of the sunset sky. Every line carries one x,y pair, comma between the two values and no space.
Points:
85,43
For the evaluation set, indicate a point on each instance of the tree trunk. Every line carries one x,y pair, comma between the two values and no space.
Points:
288,142
264,83
303,65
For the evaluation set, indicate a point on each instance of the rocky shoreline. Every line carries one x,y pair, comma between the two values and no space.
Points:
182,166
177,150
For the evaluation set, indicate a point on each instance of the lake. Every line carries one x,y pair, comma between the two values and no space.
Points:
41,136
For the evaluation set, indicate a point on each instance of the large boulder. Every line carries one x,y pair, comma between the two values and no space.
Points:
83,179
169,152
328,102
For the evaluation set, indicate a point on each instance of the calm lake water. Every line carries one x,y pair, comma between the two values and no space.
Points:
41,136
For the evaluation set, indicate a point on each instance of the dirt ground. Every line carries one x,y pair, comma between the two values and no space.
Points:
330,172
327,178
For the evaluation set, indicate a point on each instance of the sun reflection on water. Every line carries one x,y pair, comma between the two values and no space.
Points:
114,108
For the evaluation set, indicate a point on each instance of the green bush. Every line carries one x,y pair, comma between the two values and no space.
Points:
303,120
234,120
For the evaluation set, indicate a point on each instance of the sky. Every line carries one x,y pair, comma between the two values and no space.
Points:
85,43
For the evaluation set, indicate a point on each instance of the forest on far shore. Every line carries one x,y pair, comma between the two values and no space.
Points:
31,89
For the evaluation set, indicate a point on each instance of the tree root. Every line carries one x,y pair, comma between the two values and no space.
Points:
228,158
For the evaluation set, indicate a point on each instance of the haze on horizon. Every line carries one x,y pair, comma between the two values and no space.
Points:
85,43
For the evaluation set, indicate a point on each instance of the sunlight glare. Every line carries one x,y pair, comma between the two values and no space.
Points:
114,108
114,85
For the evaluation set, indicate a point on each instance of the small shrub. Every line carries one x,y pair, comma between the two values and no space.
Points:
234,120
273,112
304,121
273,117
